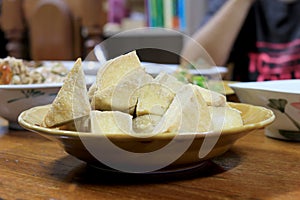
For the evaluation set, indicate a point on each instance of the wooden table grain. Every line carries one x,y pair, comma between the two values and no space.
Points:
256,167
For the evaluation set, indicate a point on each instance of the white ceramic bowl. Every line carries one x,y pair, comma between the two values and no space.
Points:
155,68
92,67
17,98
89,67
282,97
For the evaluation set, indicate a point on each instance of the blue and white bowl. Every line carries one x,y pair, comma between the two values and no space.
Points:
282,97
17,98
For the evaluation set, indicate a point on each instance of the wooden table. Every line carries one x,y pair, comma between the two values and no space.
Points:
257,167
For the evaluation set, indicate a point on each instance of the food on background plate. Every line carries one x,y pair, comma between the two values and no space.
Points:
125,99
17,71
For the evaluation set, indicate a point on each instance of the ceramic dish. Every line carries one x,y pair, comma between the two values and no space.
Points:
89,67
17,98
221,86
196,147
92,67
156,68
283,97
3,126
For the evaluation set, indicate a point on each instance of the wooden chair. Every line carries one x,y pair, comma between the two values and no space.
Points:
52,29
51,32
3,52
13,26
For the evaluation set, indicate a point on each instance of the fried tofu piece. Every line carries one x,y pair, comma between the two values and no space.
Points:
119,97
110,122
169,81
153,98
71,101
225,117
211,98
114,70
188,112
116,81
145,123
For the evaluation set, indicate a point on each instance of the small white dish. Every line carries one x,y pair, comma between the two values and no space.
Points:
3,126
156,68
92,67
282,97
17,98
89,67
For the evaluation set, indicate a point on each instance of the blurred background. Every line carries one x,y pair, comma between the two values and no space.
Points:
67,29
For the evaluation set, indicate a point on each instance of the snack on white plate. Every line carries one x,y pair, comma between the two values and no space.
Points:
125,99
71,101
15,71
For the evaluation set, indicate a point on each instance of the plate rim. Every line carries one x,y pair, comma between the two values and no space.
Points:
251,86
90,79
67,139
166,136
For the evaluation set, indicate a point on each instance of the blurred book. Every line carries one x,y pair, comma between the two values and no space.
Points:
182,15
168,14
116,11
